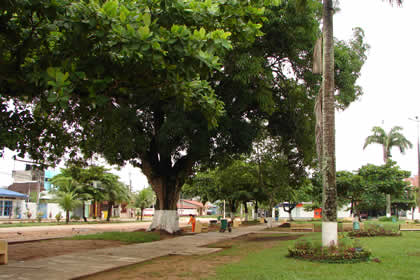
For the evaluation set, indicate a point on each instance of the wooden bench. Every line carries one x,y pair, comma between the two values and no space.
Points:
409,226
310,227
3,252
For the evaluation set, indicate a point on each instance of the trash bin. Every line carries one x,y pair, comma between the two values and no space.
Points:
223,225
356,226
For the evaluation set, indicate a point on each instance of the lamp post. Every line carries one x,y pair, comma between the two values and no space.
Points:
416,119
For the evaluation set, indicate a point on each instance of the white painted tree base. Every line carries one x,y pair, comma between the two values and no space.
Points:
329,233
269,222
167,220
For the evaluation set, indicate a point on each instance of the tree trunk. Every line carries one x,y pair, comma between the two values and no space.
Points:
246,211
388,205
256,210
329,197
83,211
166,214
289,210
67,216
232,208
110,204
141,214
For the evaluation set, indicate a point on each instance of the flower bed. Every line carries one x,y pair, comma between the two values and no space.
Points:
348,251
374,230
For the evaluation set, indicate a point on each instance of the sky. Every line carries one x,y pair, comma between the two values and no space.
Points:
388,80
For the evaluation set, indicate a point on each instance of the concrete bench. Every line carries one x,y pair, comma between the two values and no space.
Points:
236,223
409,226
201,227
310,227
3,252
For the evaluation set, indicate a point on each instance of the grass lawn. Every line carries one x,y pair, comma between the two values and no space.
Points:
128,237
399,259
36,224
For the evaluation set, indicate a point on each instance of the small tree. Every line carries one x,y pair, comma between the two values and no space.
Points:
143,199
68,201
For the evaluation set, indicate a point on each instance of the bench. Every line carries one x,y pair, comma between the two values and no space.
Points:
409,226
236,223
310,227
201,227
3,252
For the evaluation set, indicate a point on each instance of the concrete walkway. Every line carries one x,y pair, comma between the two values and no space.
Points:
80,264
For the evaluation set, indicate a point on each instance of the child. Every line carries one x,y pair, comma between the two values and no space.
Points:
192,222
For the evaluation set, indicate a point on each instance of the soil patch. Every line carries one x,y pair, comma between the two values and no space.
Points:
49,248
194,267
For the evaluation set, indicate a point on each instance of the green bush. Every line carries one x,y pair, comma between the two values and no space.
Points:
39,216
375,230
75,218
58,217
348,251
387,219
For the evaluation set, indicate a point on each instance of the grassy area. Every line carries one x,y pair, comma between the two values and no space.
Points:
128,237
36,224
399,259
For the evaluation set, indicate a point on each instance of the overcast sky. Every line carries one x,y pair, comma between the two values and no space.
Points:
388,79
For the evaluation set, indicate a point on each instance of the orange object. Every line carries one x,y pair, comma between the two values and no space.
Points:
318,213
192,222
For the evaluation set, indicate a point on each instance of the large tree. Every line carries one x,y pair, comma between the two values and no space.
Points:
161,84
394,138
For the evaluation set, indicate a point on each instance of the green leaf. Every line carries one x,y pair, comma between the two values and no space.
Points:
52,98
147,19
144,32
51,72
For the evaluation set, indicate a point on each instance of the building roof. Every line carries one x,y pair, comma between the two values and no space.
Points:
193,202
26,187
189,204
9,193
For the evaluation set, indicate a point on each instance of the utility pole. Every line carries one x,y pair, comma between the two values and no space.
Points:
416,119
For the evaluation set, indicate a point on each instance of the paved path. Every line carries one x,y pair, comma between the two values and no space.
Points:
80,264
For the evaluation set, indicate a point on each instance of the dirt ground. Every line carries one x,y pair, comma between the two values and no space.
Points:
48,248
194,267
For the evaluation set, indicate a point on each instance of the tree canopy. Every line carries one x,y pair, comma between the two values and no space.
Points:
161,84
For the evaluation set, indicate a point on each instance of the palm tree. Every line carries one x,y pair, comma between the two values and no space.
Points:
143,199
68,201
327,134
393,139
114,191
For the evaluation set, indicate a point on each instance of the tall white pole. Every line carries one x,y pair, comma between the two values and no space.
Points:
224,209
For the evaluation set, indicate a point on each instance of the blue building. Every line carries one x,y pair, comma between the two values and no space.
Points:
48,174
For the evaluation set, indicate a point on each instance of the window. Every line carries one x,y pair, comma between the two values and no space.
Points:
1,207
7,209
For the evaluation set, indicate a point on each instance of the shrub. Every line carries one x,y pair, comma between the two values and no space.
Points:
375,230
348,251
75,218
39,216
387,219
58,217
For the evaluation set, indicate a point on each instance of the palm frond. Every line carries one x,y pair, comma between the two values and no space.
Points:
398,2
